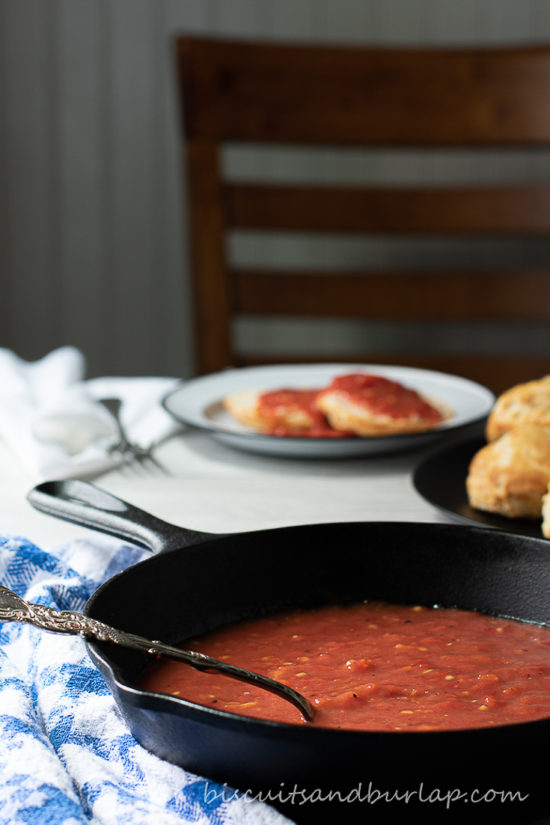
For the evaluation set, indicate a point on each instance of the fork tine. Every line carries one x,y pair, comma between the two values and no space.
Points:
132,453
147,457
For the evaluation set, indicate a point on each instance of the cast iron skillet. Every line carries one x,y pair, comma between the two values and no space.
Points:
196,581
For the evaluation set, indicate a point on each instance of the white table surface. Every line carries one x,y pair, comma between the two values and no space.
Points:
212,487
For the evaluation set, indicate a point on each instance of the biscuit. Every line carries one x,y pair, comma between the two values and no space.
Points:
290,410
511,474
527,403
243,406
545,514
371,405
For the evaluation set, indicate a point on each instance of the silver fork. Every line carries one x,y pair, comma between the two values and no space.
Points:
127,449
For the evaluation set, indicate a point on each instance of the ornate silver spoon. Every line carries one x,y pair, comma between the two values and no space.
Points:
15,609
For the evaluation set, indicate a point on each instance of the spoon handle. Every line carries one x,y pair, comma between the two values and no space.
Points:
15,609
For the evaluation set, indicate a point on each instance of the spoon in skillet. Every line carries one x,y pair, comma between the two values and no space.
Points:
15,609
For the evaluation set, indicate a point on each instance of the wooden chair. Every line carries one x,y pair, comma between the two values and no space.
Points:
308,95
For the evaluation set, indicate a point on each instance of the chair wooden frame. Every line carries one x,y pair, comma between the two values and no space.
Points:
269,93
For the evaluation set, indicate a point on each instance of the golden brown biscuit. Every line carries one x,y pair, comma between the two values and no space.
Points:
511,474
545,526
243,406
527,403
278,412
373,405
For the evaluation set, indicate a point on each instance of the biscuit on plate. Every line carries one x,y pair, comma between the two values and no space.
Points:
373,405
545,513
243,406
511,474
291,410
527,403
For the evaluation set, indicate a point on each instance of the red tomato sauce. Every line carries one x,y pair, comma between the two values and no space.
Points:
376,667
381,396
278,407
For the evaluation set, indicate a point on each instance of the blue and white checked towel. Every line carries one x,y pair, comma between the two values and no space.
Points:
66,755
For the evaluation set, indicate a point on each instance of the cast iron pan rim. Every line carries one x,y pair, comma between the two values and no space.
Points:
203,712
490,534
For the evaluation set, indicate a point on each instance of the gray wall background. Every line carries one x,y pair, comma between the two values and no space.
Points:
93,247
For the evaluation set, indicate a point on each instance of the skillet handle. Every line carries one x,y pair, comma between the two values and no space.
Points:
83,503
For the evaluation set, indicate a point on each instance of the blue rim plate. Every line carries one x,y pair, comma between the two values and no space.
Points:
198,403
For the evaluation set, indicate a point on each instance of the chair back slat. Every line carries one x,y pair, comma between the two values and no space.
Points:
268,92
423,296
519,210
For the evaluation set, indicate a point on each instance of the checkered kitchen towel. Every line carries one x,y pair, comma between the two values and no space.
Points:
66,755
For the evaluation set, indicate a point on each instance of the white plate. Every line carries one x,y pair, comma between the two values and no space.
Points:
198,403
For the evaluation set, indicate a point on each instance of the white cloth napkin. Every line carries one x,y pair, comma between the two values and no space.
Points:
51,418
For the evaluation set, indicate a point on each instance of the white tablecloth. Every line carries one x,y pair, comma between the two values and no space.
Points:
209,486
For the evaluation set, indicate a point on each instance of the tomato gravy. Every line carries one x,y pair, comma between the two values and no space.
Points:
277,407
375,666
382,397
